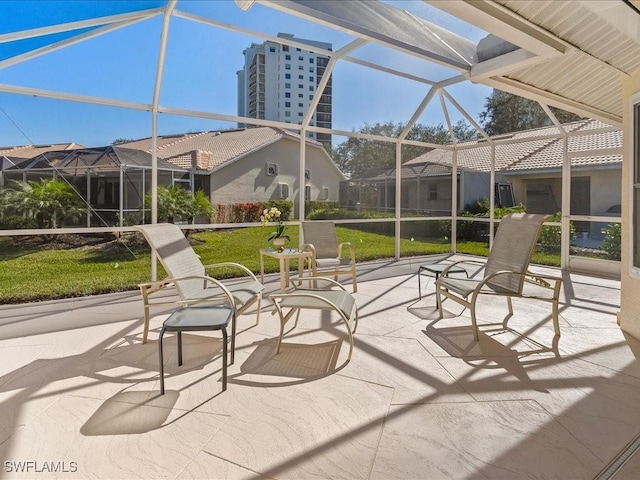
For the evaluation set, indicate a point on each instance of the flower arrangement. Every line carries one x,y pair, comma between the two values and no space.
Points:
274,215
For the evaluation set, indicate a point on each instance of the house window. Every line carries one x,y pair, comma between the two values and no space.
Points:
272,49
433,191
287,104
300,104
300,67
287,113
310,97
271,169
300,114
283,190
301,95
311,79
310,69
301,58
287,76
287,66
635,205
300,77
287,85
325,193
311,60
287,57
311,88
300,85
307,175
307,192
287,94
285,48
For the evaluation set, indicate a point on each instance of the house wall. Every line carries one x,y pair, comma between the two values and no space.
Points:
628,317
246,179
474,185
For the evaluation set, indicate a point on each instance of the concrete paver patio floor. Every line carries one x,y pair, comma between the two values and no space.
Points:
420,399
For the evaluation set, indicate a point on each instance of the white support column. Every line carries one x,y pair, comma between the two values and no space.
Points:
492,195
565,235
303,181
454,201
398,197
121,196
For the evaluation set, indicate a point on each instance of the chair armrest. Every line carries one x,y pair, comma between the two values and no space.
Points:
149,288
308,247
248,272
445,272
313,283
352,251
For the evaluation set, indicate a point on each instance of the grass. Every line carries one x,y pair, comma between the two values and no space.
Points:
32,272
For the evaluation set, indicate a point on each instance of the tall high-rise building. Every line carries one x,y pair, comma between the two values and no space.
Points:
278,82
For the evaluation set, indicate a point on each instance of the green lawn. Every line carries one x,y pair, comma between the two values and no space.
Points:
30,273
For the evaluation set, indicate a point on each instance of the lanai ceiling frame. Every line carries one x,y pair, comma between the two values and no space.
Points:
367,21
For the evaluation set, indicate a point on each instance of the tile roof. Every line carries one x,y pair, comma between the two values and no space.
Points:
30,151
210,149
535,152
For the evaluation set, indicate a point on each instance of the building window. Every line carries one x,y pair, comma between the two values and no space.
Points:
325,193
287,85
300,104
307,175
301,95
300,67
287,57
311,88
300,77
310,97
310,69
287,76
287,94
300,114
298,50
285,48
287,66
311,79
271,169
307,192
300,85
287,113
272,49
432,189
283,190
287,104
311,60
301,58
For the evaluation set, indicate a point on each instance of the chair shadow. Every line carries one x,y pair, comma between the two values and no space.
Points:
302,362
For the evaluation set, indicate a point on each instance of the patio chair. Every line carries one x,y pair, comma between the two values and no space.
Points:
189,276
326,259
320,294
505,271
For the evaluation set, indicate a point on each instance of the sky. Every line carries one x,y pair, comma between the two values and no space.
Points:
199,73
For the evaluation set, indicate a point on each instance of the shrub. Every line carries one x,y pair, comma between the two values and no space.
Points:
611,243
550,236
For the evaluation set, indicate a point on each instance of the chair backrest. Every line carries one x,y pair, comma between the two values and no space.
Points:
513,246
176,256
323,237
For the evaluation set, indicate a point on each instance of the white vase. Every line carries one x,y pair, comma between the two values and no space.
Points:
279,242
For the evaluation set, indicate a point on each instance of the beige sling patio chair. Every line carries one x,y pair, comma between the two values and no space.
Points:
319,294
505,272
189,276
327,260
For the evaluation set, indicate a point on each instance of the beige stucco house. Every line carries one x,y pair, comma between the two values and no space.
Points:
250,165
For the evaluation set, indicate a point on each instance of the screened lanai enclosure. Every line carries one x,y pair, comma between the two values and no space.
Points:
169,70
112,181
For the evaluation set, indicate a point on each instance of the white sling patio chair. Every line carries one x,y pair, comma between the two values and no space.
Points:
190,277
327,260
505,272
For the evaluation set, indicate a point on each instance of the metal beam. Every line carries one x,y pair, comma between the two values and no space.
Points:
505,63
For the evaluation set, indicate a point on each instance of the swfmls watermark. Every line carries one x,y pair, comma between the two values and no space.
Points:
34,466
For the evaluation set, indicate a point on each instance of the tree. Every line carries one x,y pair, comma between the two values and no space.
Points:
175,203
355,156
120,141
506,113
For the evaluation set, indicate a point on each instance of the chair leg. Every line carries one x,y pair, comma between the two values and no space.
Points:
259,306
161,362
233,339
510,305
224,358
474,323
355,280
439,302
179,349
556,323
